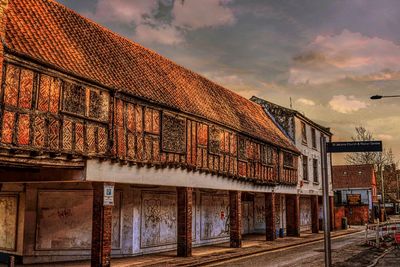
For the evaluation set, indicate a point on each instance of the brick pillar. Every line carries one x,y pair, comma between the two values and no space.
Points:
331,213
185,201
293,215
314,214
101,228
270,214
235,219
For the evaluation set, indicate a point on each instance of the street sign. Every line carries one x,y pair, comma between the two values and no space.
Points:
354,199
108,195
356,146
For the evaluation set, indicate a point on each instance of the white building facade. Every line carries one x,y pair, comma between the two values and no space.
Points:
307,136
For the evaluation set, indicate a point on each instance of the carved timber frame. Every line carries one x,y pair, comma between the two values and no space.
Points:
134,132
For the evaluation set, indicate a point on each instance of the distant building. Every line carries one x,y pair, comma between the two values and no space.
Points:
306,135
355,193
392,189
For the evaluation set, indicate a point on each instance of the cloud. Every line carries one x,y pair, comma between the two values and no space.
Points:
305,101
124,11
163,34
196,14
347,55
346,104
385,137
225,79
241,85
143,17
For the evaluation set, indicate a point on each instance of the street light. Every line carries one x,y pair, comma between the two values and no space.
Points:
376,97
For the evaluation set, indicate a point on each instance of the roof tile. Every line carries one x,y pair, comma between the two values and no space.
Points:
353,176
51,33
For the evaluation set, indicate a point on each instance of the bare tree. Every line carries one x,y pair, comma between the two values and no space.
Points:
363,134
382,161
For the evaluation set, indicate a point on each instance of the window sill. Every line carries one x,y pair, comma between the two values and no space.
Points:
316,183
306,181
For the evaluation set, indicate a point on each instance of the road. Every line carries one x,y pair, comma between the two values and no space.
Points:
347,251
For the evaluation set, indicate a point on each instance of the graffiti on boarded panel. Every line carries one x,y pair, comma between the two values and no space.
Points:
116,221
305,211
214,216
159,219
278,212
247,217
194,217
259,209
8,221
64,220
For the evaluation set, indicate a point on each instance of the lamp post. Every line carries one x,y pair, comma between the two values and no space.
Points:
376,97
383,193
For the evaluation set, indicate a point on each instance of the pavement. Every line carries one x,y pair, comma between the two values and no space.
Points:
212,254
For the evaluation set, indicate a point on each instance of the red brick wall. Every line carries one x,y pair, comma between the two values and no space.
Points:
235,217
359,215
339,214
356,215
185,203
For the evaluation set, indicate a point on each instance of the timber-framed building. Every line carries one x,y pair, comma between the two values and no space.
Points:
83,109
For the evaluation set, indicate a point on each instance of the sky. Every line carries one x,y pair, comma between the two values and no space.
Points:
325,58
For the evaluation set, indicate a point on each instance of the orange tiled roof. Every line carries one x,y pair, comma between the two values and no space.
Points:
353,176
53,34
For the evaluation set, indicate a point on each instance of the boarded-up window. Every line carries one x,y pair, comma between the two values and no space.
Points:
242,147
267,155
158,223
288,159
99,102
173,134
74,99
8,221
216,135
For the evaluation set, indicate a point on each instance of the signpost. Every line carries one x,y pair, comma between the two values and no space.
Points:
108,195
356,146
338,147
